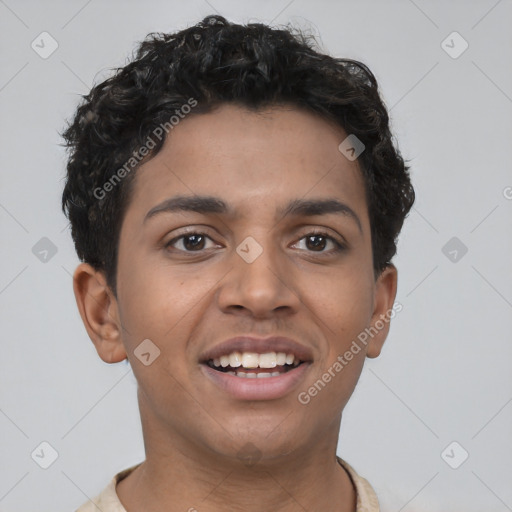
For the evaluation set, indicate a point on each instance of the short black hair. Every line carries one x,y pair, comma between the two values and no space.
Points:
213,63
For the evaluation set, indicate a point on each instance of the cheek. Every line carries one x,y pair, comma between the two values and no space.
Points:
155,296
345,304
164,305
344,309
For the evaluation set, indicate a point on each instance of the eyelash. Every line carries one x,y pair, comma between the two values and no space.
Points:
338,245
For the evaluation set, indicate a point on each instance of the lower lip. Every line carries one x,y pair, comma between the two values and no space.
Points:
268,388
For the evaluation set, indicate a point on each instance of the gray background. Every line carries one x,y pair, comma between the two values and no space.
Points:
445,372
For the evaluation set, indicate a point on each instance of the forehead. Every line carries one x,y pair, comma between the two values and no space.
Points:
250,159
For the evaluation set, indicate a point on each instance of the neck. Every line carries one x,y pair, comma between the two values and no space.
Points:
295,485
314,481
180,475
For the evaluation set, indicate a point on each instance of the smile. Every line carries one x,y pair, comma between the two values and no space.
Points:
249,368
250,365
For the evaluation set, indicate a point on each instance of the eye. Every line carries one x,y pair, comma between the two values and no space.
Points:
317,242
190,242
198,241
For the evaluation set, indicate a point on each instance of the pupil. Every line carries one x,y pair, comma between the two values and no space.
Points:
316,245
193,245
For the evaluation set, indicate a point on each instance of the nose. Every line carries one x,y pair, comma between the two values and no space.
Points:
262,287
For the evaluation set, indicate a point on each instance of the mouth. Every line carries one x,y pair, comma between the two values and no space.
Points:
257,369
251,365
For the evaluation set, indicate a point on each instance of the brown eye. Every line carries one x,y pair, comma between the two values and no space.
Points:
318,242
191,242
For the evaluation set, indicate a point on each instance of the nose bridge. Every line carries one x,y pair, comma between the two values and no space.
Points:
260,278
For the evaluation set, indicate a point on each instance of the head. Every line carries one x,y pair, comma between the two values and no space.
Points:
278,230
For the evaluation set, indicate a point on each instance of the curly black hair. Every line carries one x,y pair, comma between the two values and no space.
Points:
212,63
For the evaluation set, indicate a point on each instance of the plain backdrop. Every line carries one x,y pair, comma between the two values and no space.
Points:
441,390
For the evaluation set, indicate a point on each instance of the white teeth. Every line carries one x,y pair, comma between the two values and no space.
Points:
281,358
268,360
253,360
250,360
263,375
235,359
275,374
252,375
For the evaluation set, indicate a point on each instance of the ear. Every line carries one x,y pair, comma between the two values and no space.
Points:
384,298
99,312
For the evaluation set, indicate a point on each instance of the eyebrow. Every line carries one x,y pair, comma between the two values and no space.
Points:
296,207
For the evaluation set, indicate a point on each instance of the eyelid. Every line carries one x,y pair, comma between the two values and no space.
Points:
325,231
195,230
339,245
339,241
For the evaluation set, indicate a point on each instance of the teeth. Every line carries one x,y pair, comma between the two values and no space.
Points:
235,359
250,360
262,375
268,360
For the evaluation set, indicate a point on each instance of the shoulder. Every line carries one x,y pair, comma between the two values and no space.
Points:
107,500
366,498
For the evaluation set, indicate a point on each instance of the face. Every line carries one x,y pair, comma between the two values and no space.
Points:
276,246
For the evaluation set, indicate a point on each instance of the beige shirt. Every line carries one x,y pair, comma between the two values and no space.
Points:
108,501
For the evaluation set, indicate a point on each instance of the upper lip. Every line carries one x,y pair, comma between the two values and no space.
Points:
258,346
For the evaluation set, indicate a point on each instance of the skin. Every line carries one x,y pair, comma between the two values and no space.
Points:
187,302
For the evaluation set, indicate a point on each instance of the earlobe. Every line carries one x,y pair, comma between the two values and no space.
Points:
98,309
385,293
